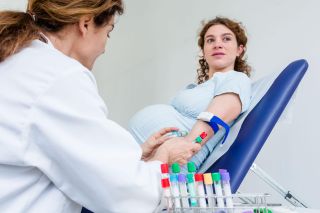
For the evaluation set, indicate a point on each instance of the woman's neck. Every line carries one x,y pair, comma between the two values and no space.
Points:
67,42
61,41
213,71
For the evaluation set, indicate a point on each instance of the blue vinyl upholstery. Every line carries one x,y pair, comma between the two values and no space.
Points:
259,123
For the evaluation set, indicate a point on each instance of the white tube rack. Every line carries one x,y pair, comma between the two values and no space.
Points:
257,204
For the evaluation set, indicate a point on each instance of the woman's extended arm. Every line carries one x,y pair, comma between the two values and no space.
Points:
226,106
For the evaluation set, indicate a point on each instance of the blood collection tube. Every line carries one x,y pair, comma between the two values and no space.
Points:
183,190
218,189
200,190
208,185
175,190
166,191
191,190
225,179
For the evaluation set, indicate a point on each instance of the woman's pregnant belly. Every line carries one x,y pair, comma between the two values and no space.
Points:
155,117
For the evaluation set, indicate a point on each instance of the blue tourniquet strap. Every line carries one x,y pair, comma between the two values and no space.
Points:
214,122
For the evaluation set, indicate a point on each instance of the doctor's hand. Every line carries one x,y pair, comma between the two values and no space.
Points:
176,150
154,141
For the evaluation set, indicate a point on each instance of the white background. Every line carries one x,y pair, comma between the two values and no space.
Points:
153,53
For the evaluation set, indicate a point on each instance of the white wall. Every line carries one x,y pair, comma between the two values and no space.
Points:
152,54
13,4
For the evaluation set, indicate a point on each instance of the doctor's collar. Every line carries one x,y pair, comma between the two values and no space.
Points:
46,40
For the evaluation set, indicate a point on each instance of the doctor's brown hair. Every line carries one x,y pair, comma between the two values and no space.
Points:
241,37
18,29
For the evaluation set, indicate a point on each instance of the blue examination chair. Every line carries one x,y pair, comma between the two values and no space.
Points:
258,123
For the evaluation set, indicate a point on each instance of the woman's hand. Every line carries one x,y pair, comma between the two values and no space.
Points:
154,141
176,150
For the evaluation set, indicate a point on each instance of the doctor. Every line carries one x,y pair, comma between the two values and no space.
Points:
58,149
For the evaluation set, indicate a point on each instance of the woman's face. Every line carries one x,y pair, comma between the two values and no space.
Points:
220,48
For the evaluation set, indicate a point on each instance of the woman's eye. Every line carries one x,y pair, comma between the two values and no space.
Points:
210,40
227,39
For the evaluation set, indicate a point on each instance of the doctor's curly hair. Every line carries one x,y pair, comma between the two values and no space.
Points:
18,29
241,37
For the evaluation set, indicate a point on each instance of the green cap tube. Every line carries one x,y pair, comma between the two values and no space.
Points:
175,168
216,176
191,167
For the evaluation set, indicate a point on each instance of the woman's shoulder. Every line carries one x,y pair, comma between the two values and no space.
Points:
231,75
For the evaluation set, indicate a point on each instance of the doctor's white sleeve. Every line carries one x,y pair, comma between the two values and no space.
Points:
90,158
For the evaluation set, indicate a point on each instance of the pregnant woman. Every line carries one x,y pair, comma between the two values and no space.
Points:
223,88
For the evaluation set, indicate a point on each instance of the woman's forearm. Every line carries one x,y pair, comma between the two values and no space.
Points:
197,129
226,106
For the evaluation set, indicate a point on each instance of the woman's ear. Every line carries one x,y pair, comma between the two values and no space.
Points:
84,24
240,50
202,54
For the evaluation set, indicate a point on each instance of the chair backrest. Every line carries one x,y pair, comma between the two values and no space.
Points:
259,123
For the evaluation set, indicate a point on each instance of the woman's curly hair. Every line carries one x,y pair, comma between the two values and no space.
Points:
241,37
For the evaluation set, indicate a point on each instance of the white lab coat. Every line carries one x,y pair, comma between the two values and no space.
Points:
58,149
